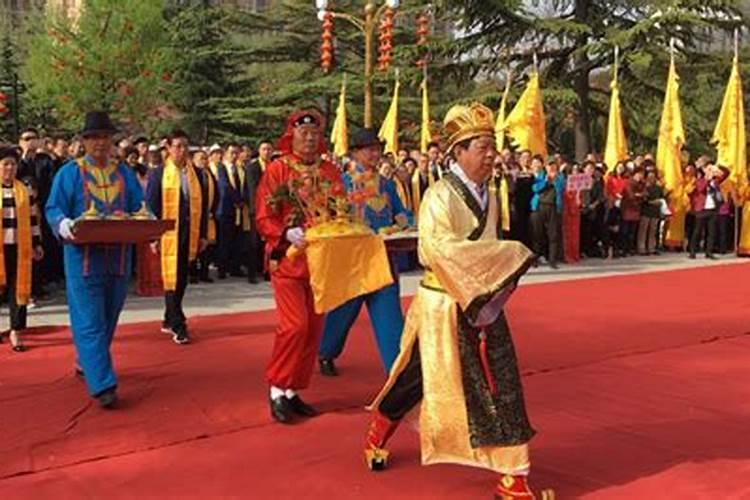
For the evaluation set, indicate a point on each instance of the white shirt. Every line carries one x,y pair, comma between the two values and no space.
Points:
479,191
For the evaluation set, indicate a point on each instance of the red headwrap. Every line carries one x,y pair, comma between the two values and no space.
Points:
284,146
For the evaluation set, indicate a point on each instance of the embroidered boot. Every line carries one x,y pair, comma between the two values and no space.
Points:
380,431
517,487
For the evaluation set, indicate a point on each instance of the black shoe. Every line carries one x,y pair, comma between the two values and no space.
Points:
206,279
180,336
328,368
301,408
194,280
108,398
691,256
553,265
238,274
253,280
711,256
281,410
222,275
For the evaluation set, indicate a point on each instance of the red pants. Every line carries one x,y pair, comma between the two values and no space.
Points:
297,336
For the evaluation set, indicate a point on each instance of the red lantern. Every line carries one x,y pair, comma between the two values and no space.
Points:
3,107
326,46
386,39
423,30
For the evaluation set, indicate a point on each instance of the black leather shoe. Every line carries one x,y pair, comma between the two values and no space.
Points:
328,368
301,408
206,279
281,410
222,275
711,256
108,398
253,280
691,256
194,280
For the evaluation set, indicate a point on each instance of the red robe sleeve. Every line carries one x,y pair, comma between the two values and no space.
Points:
271,223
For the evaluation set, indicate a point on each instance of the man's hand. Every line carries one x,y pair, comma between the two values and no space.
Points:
66,229
154,247
401,221
38,253
296,236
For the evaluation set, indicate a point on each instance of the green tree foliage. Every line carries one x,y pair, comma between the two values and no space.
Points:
115,57
208,71
574,40
281,51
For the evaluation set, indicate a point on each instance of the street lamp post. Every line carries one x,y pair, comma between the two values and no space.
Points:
367,25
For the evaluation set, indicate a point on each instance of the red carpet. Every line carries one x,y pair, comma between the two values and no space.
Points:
637,385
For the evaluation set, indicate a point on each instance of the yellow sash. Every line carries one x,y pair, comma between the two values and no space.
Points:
241,216
211,191
170,200
403,194
23,244
503,199
416,191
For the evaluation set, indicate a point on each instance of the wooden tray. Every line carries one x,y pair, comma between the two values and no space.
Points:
109,231
405,241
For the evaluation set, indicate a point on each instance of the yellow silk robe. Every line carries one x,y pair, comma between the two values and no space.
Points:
465,270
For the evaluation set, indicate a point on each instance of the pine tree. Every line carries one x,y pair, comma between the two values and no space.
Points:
114,57
574,40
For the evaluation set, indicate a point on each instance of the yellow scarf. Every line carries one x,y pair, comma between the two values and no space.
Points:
23,244
416,191
170,200
241,216
503,201
211,191
403,194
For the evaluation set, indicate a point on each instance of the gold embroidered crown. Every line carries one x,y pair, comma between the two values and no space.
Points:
466,122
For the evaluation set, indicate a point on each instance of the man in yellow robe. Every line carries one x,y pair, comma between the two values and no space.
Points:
457,356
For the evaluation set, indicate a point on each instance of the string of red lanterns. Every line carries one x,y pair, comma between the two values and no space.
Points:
326,46
386,40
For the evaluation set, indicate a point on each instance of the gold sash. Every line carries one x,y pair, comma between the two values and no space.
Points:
170,200
211,191
243,215
403,194
23,244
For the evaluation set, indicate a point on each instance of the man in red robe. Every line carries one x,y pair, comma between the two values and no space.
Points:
281,224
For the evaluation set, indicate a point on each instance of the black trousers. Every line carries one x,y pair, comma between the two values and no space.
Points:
545,223
406,393
628,233
17,312
230,247
254,253
705,222
174,316
726,233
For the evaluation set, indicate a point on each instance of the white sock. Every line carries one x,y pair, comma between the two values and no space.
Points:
276,393
289,393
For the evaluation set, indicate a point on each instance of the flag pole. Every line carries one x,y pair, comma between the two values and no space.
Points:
737,209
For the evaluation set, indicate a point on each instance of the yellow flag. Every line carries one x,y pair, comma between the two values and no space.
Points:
340,130
526,124
426,135
389,129
500,123
729,134
616,149
671,134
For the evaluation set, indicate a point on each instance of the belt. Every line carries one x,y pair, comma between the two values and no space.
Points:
431,282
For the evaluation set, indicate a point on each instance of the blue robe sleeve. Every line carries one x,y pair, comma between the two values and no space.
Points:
60,202
540,182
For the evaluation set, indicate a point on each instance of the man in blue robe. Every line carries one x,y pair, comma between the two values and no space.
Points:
96,275
384,305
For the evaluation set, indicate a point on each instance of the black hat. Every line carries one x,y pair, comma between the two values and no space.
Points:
365,137
9,151
98,122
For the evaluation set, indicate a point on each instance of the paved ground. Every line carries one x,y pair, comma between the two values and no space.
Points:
236,295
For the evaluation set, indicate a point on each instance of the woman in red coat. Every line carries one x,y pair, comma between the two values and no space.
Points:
571,224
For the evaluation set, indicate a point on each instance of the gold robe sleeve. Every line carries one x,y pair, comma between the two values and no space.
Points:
467,270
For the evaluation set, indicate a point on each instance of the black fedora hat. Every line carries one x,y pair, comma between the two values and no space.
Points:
365,137
98,123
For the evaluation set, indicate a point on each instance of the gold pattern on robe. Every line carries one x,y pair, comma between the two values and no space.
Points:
466,270
103,186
